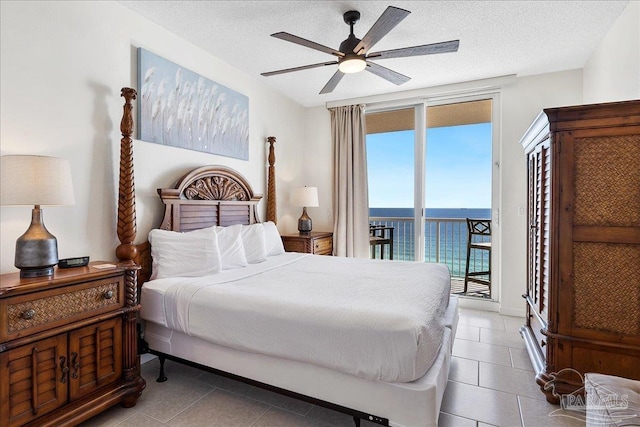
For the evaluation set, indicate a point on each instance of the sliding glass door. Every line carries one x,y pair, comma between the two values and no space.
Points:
431,166
391,174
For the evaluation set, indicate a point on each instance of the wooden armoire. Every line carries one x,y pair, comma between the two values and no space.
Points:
583,284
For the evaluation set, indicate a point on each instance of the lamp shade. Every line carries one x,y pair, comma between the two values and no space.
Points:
305,197
35,180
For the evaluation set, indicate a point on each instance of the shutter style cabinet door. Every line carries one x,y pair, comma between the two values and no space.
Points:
95,359
539,223
34,380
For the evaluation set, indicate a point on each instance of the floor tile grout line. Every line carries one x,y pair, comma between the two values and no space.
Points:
261,415
493,329
150,416
497,345
279,407
488,343
464,339
459,416
270,406
491,363
512,367
129,417
192,403
237,393
521,412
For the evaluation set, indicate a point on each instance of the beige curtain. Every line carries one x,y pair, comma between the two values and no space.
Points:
350,188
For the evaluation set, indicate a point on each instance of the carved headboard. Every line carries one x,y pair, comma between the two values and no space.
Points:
210,195
206,196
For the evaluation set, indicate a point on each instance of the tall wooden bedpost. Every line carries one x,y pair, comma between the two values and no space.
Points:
127,251
271,183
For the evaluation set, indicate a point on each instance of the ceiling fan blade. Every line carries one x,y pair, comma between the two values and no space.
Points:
304,67
387,74
333,82
385,23
307,43
425,49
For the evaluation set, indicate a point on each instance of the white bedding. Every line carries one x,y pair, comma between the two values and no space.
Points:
379,320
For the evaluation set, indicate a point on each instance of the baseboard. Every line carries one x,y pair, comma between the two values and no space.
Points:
478,303
507,311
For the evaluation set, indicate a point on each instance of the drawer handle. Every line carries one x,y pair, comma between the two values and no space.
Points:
28,315
108,294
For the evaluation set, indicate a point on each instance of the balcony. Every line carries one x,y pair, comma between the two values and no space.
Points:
445,242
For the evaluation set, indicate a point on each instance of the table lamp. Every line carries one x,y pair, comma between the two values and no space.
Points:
306,197
35,181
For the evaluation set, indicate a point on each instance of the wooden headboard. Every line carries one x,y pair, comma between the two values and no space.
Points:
206,196
210,195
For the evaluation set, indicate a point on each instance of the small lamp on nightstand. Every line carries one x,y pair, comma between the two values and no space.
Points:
305,197
35,181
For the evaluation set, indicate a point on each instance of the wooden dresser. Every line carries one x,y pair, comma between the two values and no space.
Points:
68,345
318,243
583,284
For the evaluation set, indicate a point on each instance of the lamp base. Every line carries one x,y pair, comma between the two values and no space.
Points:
36,249
304,223
36,272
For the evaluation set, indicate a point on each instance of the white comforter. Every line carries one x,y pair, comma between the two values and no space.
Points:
380,320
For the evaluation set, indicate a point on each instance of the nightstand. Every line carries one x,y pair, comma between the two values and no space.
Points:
68,345
317,243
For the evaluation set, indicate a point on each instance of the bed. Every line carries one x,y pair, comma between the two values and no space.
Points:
369,338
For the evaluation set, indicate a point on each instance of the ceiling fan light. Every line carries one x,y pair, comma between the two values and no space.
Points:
352,65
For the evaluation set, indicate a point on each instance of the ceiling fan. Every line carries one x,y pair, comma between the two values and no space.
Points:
353,55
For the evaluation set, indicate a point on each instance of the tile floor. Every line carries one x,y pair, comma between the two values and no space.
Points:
490,383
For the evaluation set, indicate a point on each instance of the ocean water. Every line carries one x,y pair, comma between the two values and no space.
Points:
445,236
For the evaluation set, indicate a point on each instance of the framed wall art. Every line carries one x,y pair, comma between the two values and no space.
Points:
180,108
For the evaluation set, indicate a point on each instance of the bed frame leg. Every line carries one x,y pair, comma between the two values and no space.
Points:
161,376
357,421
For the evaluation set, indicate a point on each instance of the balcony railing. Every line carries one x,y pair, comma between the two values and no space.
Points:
445,242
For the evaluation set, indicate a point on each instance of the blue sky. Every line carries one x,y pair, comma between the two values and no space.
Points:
458,168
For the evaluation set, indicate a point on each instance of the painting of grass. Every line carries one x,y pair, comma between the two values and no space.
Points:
180,108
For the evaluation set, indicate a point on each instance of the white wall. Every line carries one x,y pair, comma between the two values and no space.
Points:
521,103
318,169
63,65
612,73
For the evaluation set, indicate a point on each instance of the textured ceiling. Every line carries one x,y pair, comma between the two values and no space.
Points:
496,38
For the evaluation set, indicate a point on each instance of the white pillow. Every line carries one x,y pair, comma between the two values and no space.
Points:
272,239
253,241
189,254
231,247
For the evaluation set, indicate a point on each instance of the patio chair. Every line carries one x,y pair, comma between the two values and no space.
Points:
479,239
380,235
